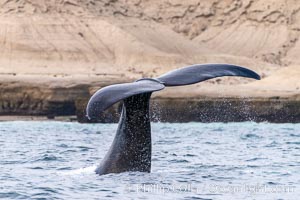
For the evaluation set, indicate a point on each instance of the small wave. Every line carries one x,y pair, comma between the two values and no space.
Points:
167,142
179,161
218,129
64,168
46,191
250,136
35,168
293,143
272,144
189,155
62,145
84,148
12,195
213,143
294,135
255,159
207,176
193,197
272,183
253,166
47,158
86,131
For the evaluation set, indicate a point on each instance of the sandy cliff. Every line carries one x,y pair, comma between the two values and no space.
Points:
54,53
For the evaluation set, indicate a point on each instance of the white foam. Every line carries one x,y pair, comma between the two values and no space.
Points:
81,171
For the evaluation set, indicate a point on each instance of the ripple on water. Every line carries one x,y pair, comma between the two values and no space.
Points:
272,144
255,159
46,158
13,195
294,135
250,136
296,142
57,160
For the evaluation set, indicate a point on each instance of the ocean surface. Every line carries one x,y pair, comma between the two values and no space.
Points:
56,160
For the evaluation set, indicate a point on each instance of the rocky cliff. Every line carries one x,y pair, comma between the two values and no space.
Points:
55,53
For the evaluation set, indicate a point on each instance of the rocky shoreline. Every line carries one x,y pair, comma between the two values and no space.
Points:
68,104
274,99
277,110
182,110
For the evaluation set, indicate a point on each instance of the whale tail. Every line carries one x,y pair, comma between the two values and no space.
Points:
107,96
131,147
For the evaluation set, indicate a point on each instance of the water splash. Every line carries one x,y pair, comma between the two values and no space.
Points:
80,171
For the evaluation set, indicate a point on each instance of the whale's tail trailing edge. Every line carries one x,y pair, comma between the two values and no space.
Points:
198,73
107,96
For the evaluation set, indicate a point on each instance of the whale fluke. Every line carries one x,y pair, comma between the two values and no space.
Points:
197,73
107,96
131,148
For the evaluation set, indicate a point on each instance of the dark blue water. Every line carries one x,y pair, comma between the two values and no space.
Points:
56,160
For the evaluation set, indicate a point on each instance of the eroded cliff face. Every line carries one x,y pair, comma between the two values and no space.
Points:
55,52
263,29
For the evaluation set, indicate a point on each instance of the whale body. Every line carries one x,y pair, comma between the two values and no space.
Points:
131,147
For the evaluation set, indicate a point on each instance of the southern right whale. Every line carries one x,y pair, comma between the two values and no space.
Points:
131,147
